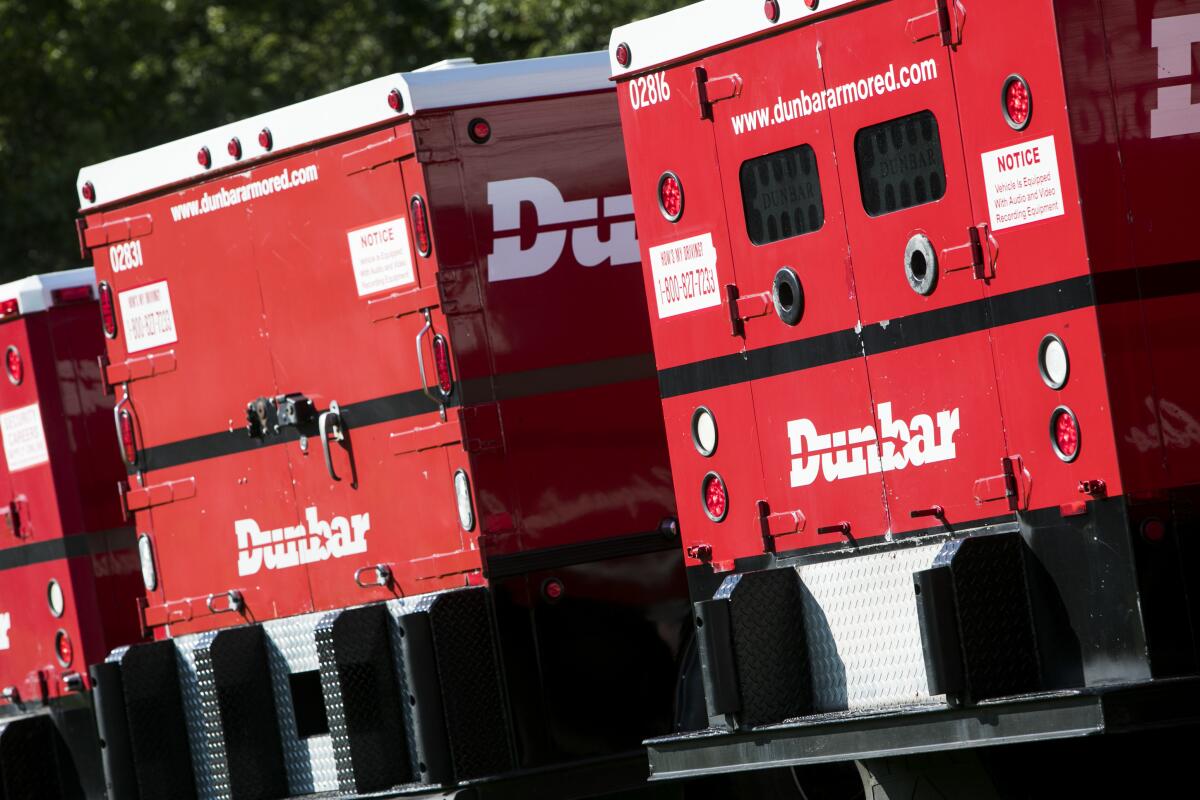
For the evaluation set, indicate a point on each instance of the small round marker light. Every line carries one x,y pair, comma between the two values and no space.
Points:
624,55
480,130
204,157
1017,100
715,497
1053,362
14,365
553,590
462,498
670,196
1064,433
704,431
1154,530
55,599
235,148
63,649
812,4
89,192
146,557
265,140
396,100
771,10
108,310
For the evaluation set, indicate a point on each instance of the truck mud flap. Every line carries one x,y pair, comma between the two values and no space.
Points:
239,714
976,620
362,699
414,693
753,651
139,711
35,762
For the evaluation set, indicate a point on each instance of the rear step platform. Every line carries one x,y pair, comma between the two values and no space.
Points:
842,737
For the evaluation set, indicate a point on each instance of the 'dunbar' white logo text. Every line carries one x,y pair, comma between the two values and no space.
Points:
852,453
1174,38
5,626
582,217
290,546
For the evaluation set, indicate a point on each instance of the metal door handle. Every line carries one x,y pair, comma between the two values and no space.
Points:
382,576
421,357
325,428
233,601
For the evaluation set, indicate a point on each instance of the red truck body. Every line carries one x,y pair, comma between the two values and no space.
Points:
386,346
69,577
920,275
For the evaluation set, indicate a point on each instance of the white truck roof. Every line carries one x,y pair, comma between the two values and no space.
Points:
36,293
701,26
446,84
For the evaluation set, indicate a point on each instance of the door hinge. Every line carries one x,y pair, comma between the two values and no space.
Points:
944,21
120,230
742,309
979,254
1011,485
159,494
713,90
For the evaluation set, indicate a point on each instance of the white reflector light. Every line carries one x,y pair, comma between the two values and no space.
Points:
54,598
146,556
1053,362
462,495
704,431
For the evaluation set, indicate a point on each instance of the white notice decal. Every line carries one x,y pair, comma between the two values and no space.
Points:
1023,184
5,626
24,440
685,275
147,317
381,256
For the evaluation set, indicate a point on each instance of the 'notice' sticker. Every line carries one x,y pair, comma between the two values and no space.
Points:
147,317
685,275
24,439
1023,184
381,256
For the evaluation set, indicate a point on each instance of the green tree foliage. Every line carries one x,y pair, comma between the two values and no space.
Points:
88,80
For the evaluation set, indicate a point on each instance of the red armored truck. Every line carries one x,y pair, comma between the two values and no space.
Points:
922,279
69,578
389,410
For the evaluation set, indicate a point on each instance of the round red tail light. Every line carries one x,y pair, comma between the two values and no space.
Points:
771,10
670,196
265,141
480,130
716,498
553,589
1018,102
812,4
441,359
14,365
235,148
63,649
396,100
89,192
624,55
204,157
420,225
1064,433
128,437
108,310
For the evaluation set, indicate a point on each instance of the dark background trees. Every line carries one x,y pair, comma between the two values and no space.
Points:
87,80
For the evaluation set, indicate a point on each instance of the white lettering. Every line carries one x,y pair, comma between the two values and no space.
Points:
508,260
858,451
291,546
1174,38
